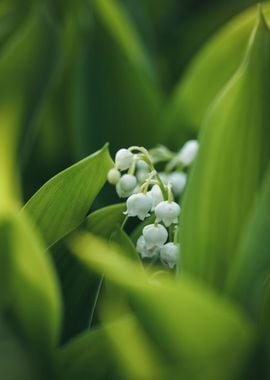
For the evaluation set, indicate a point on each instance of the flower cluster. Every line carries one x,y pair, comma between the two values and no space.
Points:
151,192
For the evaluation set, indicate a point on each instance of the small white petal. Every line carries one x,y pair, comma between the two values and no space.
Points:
188,152
167,212
156,195
113,176
178,182
123,159
139,205
155,235
169,254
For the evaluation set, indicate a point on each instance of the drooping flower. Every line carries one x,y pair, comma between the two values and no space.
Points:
113,176
178,181
169,254
188,152
139,205
167,212
156,195
128,183
123,159
144,251
155,235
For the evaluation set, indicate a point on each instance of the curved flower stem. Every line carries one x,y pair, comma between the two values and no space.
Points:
124,222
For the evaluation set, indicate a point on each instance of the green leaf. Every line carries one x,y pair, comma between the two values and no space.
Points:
230,167
103,353
84,357
106,220
15,360
210,71
190,324
62,203
248,280
22,89
31,292
113,83
120,238
80,289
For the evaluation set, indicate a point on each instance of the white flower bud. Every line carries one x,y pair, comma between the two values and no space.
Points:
167,212
121,193
139,205
188,153
142,175
142,165
178,182
123,159
144,251
163,177
128,183
169,254
156,195
155,235
113,176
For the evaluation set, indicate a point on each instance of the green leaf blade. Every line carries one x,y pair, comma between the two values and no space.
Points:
63,202
230,167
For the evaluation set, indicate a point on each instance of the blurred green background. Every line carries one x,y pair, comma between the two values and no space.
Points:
99,70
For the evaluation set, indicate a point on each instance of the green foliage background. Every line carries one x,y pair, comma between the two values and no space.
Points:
75,301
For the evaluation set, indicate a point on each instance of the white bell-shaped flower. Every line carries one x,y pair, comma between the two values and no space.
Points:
113,176
178,182
156,195
144,251
155,235
167,212
139,205
169,254
128,183
123,159
188,152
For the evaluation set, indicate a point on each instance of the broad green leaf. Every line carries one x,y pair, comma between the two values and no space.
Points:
209,71
15,360
62,203
230,167
31,292
105,221
190,324
248,280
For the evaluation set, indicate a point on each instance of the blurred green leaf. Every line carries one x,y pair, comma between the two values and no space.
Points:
84,357
24,78
194,328
250,271
114,86
209,72
103,353
120,238
106,220
62,203
230,167
31,290
15,360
